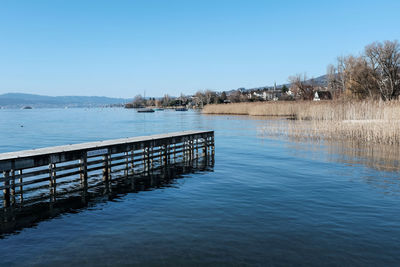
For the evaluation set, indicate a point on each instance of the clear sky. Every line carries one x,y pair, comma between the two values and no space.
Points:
123,48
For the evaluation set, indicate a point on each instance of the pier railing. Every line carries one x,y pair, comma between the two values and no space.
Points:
32,175
19,216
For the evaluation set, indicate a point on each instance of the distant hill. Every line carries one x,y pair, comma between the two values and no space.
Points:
18,100
321,80
318,81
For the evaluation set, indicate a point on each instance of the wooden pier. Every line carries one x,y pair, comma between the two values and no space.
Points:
53,171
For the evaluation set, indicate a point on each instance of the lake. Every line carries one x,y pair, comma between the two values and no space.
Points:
266,200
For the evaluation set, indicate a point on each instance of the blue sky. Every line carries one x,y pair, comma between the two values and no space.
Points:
123,48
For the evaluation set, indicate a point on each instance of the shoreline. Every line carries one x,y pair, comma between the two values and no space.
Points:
370,122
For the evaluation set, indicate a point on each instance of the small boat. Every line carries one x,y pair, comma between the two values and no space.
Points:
181,109
145,110
27,107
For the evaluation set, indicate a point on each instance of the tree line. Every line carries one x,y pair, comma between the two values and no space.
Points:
374,74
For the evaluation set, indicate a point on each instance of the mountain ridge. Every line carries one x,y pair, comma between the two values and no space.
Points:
318,81
18,100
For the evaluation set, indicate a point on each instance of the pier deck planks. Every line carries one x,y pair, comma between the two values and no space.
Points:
21,168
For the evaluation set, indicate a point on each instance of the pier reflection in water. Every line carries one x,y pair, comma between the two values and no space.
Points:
266,202
28,214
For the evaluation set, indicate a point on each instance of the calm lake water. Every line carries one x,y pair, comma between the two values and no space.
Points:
266,201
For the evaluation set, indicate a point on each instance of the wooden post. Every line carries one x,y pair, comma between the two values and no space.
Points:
205,146
160,154
105,168
197,147
208,145
185,149
165,150
83,176
174,152
197,151
52,181
148,158
212,146
21,192
109,165
6,190
133,160
188,149
144,158
151,154
126,163
83,169
12,187
191,148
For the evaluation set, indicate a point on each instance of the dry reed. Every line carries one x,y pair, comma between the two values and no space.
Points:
254,109
364,121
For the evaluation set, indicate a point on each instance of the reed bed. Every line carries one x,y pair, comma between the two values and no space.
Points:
310,110
350,111
363,121
379,131
254,109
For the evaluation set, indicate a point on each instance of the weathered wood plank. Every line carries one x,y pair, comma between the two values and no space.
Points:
94,145
64,164
44,156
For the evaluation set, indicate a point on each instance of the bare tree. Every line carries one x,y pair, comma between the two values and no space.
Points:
223,96
206,97
352,76
198,99
183,99
235,96
333,80
384,59
300,85
166,100
359,77
138,101
341,71
209,96
151,102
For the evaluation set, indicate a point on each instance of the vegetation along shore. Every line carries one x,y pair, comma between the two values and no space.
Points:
372,121
362,104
